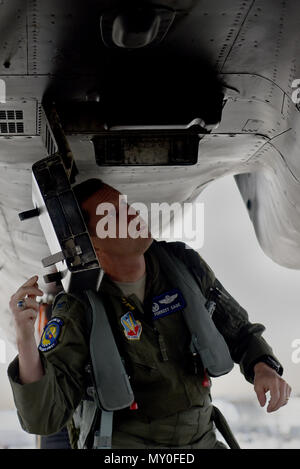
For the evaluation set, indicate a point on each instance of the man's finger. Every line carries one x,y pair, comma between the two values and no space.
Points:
276,398
30,282
285,392
261,396
36,285
288,394
24,291
32,304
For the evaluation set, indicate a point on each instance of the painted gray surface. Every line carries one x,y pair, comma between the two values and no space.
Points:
251,46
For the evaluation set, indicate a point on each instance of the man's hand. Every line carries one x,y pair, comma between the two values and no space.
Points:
25,317
30,365
266,379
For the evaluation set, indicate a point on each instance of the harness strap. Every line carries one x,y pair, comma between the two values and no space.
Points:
103,437
112,386
224,429
206,340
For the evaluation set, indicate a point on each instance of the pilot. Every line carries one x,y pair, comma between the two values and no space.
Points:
173,406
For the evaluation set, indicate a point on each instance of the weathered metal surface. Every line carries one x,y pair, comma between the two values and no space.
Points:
53,49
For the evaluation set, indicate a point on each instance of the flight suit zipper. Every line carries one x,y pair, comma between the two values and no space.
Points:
161,344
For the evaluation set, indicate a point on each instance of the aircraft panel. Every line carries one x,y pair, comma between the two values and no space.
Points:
13,38
247,48
268,43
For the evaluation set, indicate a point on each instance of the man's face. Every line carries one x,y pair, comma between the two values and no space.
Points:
115,228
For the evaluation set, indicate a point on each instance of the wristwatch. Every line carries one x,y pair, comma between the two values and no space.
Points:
271,362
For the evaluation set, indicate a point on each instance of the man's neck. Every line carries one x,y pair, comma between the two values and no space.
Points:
123,269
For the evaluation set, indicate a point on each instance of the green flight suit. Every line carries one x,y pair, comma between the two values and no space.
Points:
174,408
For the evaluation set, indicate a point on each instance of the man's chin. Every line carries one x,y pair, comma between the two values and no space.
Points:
137,245
129,246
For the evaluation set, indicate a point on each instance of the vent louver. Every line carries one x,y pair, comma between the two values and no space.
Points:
11,122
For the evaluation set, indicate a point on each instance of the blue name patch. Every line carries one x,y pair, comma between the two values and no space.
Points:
167,303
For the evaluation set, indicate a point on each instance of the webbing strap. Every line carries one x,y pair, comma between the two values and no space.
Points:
207,341
112,385
224,429
102,438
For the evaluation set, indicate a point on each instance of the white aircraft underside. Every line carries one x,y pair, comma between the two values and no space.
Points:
253,45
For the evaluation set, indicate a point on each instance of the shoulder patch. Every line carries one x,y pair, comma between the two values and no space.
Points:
51,334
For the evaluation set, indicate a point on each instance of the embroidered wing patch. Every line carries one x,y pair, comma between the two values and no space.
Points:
167,303
51,334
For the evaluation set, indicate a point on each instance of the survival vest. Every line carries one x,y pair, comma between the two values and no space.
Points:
111,388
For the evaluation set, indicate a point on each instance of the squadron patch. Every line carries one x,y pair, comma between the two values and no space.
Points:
51,334
132,328
167,303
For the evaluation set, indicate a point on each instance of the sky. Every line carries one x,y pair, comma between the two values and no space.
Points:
266,290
